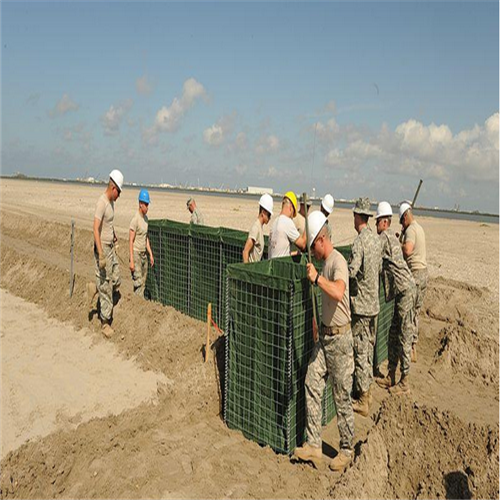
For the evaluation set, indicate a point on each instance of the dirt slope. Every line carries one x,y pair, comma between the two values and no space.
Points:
181,448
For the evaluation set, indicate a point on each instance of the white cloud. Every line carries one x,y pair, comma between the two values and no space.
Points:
112,119
214,135
63,106
416,149
143,85
268,144
168,119
218,132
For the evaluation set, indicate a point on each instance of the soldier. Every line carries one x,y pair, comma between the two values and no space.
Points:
139,244
332,355
364,268
284,231
414,252
106,263
254,246
300,221
398,283
196,215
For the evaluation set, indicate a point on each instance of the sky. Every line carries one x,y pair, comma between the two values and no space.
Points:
354,99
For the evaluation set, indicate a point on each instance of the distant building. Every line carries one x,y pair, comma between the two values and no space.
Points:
259,190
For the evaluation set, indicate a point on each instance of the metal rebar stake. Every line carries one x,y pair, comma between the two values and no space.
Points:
71,270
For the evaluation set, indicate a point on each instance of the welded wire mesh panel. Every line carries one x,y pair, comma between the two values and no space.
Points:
258,349
232,244
278,395
205,271
175,279
152,291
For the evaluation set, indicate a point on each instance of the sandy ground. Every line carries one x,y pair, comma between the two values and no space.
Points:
442,441
55,377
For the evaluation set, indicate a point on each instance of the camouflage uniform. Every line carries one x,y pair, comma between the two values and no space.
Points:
197,217
140,272
107,279
400,285
364,269
331,356
420,276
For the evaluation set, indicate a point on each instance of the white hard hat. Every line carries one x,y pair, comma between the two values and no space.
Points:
266,202
117,177
384,209
403,209
327,203
315,222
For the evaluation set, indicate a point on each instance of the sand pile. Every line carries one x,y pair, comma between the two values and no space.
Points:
464,351
418,452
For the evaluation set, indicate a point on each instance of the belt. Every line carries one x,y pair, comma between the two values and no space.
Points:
335,330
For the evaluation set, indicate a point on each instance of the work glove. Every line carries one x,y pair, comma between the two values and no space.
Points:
102,261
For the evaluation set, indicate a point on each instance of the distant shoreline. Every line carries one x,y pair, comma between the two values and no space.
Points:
431,211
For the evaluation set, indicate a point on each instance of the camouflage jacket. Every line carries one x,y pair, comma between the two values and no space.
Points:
364,269
396,274
197,217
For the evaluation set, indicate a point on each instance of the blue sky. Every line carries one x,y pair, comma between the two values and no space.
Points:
380,94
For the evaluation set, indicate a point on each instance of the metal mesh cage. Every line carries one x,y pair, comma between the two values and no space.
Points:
268,347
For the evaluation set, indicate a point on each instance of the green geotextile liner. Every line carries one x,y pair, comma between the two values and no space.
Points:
268,347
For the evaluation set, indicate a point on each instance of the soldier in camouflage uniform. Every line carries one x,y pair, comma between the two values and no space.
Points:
364,269
332,355
398,283
196,215
106,262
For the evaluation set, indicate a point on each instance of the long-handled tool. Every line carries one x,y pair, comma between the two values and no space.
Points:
313,295
416,194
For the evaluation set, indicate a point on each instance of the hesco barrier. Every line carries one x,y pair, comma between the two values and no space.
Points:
190,266
268,346
266,310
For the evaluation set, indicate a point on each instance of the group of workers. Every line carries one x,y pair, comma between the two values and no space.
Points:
350,306
345,339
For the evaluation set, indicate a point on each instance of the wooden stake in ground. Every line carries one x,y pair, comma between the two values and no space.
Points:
209,321
313,295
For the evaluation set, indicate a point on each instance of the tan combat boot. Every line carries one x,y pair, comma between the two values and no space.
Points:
402,387
341,461
308,453
388,381
414,353
362,405
91,293
107,331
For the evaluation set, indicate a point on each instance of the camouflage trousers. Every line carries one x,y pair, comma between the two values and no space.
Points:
363,333
331,357
107,280
140,272
402,330
420,276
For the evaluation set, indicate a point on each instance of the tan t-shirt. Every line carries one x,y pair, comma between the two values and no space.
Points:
139,224
105,212
415,234
257,236
336,313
